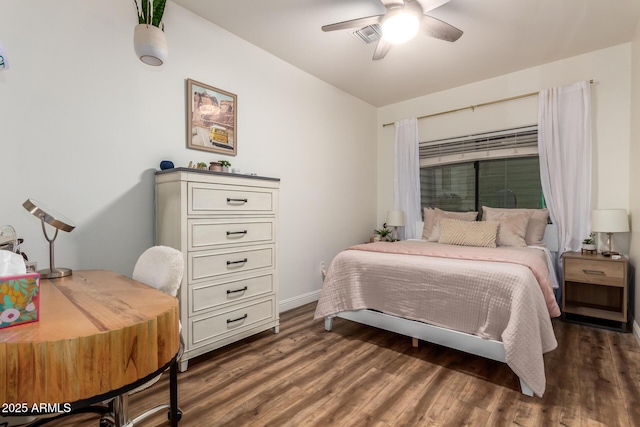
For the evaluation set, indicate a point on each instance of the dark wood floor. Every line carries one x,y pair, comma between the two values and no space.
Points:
361,376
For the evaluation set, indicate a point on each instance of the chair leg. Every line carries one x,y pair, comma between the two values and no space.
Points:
120,410
173,394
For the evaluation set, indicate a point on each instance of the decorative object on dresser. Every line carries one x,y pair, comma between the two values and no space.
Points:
225,165
149,39
595,290
226,228
395,219
610,221
589,244
166,164
215,166
212,121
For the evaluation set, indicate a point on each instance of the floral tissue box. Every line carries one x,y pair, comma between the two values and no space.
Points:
19,299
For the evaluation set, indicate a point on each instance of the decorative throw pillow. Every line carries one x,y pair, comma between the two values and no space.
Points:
428,222
439,214
468,233
512,229
535,229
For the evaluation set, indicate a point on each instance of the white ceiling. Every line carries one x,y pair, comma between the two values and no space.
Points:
500,36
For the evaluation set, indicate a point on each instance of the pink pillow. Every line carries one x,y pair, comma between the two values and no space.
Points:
535,228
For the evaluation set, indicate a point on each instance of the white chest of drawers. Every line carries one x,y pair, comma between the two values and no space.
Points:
225,225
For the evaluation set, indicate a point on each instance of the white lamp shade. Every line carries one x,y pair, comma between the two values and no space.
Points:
610,221
395,218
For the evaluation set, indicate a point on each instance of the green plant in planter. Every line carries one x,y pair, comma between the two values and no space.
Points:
590,240
224,163
150,12
383,232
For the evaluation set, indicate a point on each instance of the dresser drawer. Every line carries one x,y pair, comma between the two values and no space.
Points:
594,272
210,328
212,264
212,198
205,233
209,296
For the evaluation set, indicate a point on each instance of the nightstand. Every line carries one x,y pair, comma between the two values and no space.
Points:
595,290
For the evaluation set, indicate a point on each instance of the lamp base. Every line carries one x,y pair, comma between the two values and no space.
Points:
54,273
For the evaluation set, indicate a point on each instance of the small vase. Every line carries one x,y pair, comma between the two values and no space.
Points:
588,247
150,44
216,167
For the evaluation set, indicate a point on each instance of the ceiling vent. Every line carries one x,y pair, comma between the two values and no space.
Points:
369,34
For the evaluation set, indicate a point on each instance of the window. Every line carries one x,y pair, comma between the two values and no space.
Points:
509,177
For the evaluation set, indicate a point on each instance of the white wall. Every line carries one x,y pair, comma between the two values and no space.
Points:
610,70
84,124
634,176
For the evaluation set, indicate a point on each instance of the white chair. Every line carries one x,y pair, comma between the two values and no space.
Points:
160,267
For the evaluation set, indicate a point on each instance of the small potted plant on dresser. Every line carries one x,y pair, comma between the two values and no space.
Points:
589,244
225,165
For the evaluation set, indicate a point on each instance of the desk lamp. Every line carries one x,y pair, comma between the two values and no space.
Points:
395,219
57,220
609,221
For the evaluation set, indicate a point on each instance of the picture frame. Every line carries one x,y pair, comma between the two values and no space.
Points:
212,119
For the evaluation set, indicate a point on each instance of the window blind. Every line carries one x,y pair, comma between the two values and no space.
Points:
516,142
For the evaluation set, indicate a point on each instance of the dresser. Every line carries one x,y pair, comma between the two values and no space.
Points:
595,290
226,227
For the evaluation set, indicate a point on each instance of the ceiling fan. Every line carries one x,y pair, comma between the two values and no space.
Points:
401,22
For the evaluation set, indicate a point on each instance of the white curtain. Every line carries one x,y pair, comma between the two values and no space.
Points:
564,147
406,178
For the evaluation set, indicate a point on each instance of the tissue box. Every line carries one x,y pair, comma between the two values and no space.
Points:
19,299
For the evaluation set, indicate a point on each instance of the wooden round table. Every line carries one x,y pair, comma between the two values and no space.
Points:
98,332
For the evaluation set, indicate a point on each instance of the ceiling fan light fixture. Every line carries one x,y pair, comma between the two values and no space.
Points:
400,27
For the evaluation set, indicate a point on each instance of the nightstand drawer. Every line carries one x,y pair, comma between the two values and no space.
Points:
595,272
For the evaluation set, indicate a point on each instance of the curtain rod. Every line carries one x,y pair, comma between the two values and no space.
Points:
473,107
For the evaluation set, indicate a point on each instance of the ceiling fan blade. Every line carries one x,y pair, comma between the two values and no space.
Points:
382,48
353,23
428,5
439,29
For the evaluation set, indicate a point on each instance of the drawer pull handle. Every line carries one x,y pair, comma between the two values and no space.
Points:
237,320
237,262
237,290
598,272
229,200
229,233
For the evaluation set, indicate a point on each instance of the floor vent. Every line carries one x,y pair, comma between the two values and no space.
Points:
369,34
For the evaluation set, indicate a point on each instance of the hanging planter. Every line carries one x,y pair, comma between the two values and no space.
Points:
150,44
149,39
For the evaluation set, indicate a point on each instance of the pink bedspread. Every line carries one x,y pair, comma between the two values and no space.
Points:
534,259
494,293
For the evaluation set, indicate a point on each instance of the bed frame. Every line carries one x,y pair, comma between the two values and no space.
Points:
468,343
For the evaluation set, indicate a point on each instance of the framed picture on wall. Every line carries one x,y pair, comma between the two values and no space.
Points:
212,121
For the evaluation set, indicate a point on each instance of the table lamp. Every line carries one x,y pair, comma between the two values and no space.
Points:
395,219
59,222
609,221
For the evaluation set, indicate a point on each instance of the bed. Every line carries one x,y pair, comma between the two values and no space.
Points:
491,302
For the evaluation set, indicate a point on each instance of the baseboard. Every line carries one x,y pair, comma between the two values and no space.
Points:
291,303
636,331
